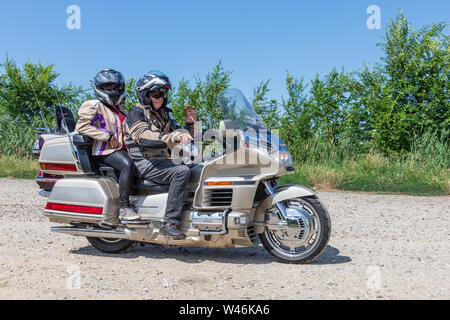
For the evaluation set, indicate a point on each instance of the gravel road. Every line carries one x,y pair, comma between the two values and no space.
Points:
381,247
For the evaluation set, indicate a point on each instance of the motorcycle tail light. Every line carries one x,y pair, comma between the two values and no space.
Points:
73,208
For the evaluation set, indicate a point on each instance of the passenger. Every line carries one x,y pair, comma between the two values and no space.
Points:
102,120
150,132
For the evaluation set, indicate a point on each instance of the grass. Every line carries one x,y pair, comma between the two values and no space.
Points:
373,173
344,166
12,167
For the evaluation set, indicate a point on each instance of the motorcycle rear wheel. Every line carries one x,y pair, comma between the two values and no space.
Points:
272,240
108,245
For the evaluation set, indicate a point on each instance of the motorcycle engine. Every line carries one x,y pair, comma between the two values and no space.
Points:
210,222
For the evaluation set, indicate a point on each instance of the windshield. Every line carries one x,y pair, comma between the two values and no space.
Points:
235,107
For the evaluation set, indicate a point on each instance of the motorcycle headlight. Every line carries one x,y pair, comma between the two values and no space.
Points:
271,147
283,157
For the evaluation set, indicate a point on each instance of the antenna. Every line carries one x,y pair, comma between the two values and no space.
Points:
41,112
69,137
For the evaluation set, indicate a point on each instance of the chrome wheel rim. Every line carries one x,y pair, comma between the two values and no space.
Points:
285,240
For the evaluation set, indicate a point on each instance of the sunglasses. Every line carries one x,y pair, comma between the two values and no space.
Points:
158,94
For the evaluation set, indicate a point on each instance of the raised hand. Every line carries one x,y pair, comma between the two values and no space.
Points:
191,114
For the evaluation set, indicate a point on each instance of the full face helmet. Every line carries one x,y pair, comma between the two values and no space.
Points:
155,83
109,87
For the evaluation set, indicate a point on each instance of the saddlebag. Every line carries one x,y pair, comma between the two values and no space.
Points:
83,200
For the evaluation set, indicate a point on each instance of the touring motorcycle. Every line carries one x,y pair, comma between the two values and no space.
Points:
232,199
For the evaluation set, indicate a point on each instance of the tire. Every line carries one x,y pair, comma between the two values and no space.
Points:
323,225
108,245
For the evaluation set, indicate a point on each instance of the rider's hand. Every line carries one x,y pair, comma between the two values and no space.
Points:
185,138
191,115
114,143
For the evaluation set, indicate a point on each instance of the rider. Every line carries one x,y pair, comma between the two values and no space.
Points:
102,120
150,132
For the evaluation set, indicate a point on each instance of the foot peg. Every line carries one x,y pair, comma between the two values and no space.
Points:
107,224
135,223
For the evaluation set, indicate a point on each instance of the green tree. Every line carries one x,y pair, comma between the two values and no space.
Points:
180,98
268,110
329,102
29,93
203,96
295,129
416,66
130,89
365,89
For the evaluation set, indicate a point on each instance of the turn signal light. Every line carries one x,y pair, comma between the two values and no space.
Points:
222,183
58,167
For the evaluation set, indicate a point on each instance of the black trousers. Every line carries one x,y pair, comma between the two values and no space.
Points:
165,171
120,160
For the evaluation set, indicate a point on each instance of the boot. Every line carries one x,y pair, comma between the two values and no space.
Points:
128,214
172,230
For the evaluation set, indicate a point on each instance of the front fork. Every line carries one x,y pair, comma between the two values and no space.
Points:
291,220
282,215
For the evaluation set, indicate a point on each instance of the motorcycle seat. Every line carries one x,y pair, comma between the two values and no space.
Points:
140,186
148,187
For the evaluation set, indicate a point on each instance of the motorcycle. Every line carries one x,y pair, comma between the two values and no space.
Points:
232,198
65,123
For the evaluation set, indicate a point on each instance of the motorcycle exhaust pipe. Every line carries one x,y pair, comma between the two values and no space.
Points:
44,193
90,232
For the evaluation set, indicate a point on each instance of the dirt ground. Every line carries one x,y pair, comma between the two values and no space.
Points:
381,247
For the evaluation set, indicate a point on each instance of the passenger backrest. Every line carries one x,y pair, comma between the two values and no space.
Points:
65,121
83,145
88,164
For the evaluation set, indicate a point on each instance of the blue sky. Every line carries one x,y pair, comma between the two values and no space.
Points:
257,40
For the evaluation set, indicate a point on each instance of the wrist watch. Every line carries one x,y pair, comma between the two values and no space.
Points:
111,135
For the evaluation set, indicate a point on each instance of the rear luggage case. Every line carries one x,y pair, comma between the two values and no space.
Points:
84,199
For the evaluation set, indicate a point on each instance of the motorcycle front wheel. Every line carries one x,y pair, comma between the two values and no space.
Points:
306,241
108,245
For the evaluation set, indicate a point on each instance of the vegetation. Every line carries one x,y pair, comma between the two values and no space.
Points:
383,128
20,168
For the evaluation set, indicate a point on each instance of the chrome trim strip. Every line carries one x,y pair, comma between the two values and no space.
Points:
90,232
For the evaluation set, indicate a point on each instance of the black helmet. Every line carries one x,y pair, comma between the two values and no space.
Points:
109,87
155,81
